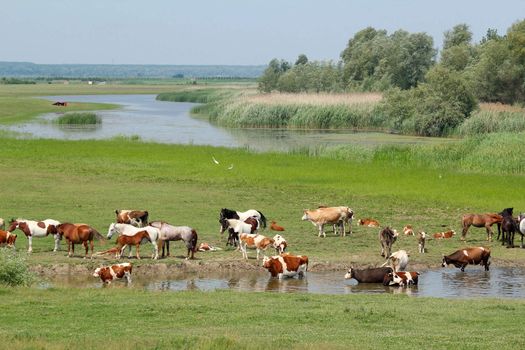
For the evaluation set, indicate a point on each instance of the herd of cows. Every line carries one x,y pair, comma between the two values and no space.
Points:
134,229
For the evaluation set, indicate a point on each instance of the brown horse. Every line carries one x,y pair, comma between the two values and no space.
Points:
480,220
123,241
76,234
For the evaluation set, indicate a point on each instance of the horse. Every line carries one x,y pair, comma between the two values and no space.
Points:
123,240
480,220
504,212
36,229
129,230
176,233
76,234
521,227
236,227
232,214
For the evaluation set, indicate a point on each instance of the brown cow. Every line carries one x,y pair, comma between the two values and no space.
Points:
286,265
7,238
463,257
387,237
276,227
421,239
371,275
401,278
328,216
447,234
408,230
137,218
368,222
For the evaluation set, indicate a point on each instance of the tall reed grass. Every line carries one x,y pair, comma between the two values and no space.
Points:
85,118
487,121
14,269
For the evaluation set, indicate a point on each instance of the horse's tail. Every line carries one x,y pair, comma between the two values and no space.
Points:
194,238
97,235
263,219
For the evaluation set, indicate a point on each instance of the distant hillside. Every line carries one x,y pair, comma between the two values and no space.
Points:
33,70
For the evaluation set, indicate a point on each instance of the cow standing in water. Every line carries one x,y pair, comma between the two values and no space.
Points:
468,256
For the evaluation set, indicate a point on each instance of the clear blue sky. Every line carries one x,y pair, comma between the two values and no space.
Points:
224,31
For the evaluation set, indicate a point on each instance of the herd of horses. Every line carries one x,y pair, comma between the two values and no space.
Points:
507,224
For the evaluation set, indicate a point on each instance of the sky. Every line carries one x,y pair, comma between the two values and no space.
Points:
224,32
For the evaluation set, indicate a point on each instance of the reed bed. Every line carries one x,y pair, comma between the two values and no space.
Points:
86,118
490,120
322,99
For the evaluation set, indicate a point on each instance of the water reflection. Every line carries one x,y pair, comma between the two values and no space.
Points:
447,283
170,122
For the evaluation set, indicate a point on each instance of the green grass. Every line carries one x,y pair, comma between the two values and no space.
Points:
85,118
116,318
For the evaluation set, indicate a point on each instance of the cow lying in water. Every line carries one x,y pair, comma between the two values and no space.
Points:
463,257
109,273
286,265
372,275
401,278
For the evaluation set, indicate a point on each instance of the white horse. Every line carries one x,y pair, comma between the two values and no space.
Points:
37,229
129,230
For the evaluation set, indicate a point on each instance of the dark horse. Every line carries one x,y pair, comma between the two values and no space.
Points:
509,227
480,220
233,214
76,234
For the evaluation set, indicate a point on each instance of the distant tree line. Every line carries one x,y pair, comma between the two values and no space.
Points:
422,92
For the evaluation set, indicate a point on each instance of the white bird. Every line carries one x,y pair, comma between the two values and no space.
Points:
215,160
230,167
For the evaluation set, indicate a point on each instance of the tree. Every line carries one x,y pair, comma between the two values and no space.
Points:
459,35
301,59
458,51
270,77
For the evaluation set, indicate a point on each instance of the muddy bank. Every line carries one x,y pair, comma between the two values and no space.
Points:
185,266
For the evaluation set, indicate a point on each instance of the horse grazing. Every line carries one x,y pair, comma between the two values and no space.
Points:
137,218
236,227
480,220
76,234
129,230
232,214
123,240
36,229
176,233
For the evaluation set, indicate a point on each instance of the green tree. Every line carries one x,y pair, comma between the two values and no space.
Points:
301,59
459,35
270,77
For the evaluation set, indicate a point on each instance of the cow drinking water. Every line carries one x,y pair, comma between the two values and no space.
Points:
468,256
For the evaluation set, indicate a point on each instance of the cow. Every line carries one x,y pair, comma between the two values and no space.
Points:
286,265
463,257
328,216
371,275
280,244
368,222
408,230
398,260
421,239
401,278
259,242
442,235
108,273
206,247
276,227
7,238
387,237
137,218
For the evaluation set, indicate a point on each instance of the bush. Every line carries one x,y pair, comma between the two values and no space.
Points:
79,119
14,270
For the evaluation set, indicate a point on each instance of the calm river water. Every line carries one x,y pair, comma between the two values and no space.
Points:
170,122
503,282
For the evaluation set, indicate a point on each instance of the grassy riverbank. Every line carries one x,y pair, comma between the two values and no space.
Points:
115,318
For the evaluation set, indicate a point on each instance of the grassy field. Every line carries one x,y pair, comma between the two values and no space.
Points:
117,318
428,187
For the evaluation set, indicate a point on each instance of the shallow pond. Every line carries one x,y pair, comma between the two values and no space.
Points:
170,122
446,283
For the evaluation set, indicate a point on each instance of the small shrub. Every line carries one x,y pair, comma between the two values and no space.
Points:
14,270
79,119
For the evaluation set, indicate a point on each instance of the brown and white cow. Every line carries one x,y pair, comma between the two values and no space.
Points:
7,238
387,237
468,256
280,244
259,242
442,235
286,265
368,222
137,218
421,239
109,273
398,260
328,216
401,278
370,275
408,230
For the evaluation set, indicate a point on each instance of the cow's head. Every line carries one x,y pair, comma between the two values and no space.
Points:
388,279
305,215
11,239
444,262
349,274
267,261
